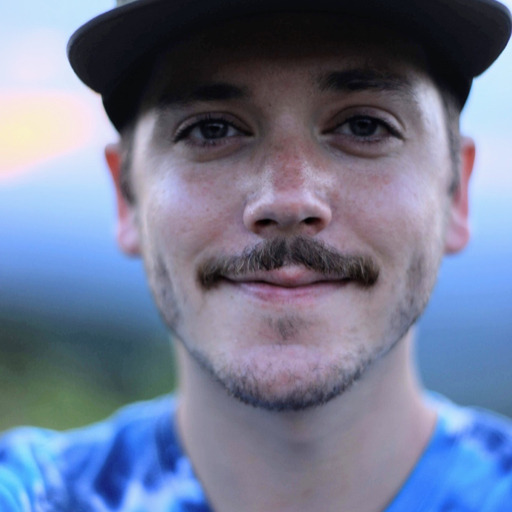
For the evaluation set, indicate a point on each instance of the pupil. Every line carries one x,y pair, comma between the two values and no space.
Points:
214,130
363,126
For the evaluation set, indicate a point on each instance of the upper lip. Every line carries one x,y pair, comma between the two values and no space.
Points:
287,277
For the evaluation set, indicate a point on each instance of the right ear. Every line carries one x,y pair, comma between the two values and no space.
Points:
127,230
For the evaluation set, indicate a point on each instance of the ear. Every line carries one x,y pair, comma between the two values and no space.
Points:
127,229
458,231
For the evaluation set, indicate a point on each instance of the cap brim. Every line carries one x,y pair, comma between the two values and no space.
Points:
468,34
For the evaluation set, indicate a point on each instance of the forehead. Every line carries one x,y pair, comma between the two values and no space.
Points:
253,49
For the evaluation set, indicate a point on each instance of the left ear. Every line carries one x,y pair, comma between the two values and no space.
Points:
458,231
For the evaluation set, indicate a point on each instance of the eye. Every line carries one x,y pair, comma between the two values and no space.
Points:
208,130
214,129
365,127
365,132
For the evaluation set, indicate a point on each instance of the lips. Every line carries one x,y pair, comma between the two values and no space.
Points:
293,276
290,285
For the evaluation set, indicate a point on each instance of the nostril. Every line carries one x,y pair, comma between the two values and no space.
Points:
273,214
262,223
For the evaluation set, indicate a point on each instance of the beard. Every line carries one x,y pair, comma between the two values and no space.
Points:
267,377
269,383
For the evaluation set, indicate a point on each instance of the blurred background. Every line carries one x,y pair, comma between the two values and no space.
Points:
79,335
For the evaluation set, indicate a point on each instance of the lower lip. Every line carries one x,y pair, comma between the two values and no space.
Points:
283,294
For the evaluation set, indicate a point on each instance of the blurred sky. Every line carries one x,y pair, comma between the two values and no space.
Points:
56,206
44,110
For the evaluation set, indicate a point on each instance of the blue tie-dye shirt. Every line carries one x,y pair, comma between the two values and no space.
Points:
133,462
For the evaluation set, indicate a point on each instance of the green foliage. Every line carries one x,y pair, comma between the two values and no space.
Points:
64,376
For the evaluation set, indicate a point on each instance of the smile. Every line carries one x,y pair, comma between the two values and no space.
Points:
287,284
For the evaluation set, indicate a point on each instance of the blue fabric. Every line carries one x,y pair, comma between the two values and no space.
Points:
133,462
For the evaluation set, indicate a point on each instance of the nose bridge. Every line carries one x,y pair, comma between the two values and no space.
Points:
291,194
290,154
285,166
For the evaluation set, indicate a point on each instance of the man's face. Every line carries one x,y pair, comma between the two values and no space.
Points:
292,203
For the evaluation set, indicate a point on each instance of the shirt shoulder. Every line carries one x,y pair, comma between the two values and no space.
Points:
466,467
130,459
481,470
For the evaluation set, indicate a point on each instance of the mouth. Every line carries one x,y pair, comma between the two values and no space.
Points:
292,276
288,283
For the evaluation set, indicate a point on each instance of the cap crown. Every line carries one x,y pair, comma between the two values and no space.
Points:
114,52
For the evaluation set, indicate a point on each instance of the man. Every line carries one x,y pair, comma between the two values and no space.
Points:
292,175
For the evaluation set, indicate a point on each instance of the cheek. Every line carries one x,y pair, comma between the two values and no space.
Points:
178,221
183,207
401,203
187,213
396,213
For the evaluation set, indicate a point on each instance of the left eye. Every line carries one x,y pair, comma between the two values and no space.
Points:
363,126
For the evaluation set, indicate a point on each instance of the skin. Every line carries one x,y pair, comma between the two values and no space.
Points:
290,161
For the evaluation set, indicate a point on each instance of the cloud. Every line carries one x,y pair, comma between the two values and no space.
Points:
37,126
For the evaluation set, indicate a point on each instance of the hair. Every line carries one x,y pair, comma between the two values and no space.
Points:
126,143
452,108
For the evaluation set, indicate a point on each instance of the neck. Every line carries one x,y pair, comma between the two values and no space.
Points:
255,460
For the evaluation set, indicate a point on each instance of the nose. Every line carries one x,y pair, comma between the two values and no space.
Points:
291,196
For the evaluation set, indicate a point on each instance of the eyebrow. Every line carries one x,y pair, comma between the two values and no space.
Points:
217,91
354,80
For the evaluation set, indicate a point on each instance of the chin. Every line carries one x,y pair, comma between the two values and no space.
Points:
285,377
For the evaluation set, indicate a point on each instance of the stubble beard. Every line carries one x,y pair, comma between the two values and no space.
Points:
274,386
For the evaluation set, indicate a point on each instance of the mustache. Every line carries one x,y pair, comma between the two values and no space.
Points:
275,253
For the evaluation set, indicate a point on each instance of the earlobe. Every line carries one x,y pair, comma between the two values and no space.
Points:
127,230
458,230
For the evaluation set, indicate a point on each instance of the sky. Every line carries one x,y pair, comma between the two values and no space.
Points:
45,112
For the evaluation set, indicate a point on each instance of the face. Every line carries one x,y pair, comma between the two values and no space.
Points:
292,203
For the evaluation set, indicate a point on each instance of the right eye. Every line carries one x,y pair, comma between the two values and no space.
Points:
208,131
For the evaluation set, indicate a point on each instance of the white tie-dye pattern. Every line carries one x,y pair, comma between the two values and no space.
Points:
177,488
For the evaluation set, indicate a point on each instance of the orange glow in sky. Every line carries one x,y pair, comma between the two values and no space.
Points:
36,126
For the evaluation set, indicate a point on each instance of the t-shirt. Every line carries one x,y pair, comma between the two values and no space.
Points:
133,462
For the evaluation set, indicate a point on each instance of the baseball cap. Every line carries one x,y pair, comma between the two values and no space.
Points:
113,52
